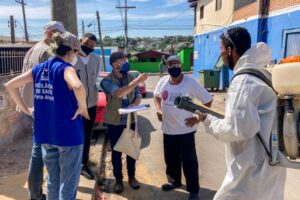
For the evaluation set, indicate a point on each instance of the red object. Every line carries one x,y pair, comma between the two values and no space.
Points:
101,105
290,59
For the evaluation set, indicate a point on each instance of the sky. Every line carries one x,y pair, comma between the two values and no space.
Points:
151,18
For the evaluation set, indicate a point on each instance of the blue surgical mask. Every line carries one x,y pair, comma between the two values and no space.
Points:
125,68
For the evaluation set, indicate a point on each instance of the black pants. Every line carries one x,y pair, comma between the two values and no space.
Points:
180,149
114,133
88,129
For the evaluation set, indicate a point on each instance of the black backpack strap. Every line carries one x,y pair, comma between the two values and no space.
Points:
262,74
266,77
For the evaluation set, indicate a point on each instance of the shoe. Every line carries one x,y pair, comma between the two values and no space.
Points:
170,186
134,183
193,196
43,197
118,188
86,172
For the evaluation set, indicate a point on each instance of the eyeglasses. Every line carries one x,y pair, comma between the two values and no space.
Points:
173,65
226,35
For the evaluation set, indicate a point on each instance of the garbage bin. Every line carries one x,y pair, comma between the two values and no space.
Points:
210,78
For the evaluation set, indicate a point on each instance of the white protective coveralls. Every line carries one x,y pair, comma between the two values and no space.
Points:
250,108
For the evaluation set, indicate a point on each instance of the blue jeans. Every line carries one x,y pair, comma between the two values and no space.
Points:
35,173
63,165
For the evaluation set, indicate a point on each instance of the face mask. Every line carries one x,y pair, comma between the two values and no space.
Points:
86,50
230,63
74,61
174,72
125,68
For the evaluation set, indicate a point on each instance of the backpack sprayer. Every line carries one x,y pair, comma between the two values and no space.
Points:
284,147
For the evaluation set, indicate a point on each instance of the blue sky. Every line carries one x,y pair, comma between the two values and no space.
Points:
151,18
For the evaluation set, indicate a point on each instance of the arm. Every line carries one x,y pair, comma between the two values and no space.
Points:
13,88
242,119
125,90
157,103
75,84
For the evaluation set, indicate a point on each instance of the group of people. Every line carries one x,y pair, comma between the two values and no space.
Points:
60,84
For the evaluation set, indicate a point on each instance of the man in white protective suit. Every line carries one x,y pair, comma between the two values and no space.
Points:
250,108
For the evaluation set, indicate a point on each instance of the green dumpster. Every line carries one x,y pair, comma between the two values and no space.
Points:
209,78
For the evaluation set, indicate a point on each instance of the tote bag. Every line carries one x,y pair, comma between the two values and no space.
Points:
130,140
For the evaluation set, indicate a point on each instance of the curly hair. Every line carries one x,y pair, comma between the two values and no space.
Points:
56,46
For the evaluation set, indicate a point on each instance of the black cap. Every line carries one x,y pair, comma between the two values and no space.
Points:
116,56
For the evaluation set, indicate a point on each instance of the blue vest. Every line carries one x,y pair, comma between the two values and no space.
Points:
54,106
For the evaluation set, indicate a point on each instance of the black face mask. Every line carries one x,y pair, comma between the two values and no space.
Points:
174,72
86,50
230,63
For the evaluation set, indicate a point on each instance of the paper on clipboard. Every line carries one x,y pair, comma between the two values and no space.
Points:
133,109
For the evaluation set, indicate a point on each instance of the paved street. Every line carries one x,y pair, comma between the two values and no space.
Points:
151,167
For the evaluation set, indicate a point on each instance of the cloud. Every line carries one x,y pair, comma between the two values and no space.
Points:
139,0
169,3
41,12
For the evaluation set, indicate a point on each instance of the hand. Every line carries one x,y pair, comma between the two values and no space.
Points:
142,77
29,112
190,122
159,116
201,116
81,111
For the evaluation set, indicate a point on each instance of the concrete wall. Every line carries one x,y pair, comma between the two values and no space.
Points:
13,124
218,18
206,45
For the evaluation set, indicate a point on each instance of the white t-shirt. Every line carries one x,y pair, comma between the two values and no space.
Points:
174,118
85,59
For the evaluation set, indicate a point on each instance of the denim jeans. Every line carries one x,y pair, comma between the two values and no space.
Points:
63,165
35,173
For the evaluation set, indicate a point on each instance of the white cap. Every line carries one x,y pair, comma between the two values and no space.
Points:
54,25
173,58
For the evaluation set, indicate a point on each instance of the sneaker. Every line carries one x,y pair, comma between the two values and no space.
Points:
134,183
193,196
86,172
170,186
118,188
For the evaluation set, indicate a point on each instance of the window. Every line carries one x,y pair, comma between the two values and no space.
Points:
242,3
218,5
291,43
201,12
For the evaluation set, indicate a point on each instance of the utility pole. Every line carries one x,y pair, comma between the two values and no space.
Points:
11,24
101,41
24,18
82,24
65,11
126,21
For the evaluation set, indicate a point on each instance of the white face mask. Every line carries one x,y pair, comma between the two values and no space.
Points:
74,61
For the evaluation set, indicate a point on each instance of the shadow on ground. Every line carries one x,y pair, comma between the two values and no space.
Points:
147,192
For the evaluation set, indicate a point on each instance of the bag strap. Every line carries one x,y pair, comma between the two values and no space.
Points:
266,77
128,124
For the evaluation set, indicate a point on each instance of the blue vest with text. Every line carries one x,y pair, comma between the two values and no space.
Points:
54,106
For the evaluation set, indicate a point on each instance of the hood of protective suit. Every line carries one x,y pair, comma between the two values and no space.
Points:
257,56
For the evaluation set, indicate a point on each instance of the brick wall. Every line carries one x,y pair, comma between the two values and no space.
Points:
252,9
13,124
280,4
245,12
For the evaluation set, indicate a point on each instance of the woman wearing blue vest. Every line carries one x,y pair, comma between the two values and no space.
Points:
59,102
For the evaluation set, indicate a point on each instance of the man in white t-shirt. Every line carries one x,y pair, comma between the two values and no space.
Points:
179,126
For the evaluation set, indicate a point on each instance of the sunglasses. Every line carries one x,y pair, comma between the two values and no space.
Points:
226,35
174,65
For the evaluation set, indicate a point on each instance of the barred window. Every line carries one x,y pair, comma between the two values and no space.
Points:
242,3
